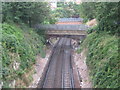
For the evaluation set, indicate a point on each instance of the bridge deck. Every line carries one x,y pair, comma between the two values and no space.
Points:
54,29
66,32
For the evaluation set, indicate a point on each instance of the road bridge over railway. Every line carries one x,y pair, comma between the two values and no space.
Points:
61,30
65,27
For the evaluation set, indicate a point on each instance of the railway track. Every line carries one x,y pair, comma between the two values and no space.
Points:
59,72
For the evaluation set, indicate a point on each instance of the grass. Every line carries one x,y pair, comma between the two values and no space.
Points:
102,59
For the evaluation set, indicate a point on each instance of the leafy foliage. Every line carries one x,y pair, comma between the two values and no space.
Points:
66,10
106,14
102,59
92,29
87,10
20,44
27,12
19,47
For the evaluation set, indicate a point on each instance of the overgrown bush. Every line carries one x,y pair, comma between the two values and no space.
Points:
19,47
102,59
92,29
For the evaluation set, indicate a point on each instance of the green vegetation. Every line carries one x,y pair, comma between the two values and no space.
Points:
102,59
106,14
66,10
20,43
21,47
102,43
30,13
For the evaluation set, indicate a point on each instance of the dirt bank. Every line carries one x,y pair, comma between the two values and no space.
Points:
80,62
39,68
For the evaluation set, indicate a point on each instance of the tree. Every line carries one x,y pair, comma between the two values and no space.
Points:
66,10
106,14
87,10
27,12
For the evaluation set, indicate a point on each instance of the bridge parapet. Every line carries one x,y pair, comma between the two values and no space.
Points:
62,27
58,29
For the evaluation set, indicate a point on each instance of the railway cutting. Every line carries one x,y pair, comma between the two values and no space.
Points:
60,71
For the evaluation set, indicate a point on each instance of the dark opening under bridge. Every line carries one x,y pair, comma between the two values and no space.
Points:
64,30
